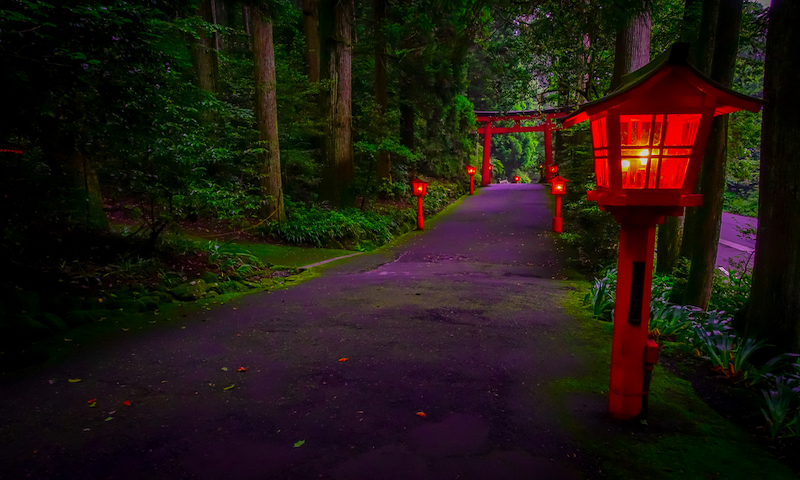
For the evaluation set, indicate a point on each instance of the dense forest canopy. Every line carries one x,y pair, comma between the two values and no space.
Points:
304,122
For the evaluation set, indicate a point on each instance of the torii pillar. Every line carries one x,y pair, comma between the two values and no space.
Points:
486,174
548,148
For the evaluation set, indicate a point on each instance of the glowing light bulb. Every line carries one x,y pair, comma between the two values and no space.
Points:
625,164
644,153
643,161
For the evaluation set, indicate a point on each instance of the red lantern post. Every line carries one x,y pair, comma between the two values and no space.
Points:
558,187
516,178
648,139
471,172
419,189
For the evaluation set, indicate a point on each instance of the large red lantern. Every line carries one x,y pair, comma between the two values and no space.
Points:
558,187
419,189
471,170
648,139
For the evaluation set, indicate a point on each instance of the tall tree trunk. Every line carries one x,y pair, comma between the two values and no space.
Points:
632,48
773,312
338,148
311,30
246,18
384,166
88,205
702,54
267,113
204,54
670,232
222,16
711,181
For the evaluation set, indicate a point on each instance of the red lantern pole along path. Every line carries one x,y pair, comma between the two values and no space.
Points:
516,178
558,187
471,172
419,188
648,140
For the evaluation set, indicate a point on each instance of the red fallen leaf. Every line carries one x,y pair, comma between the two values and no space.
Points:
421,414
92,400
127,403
242,369
343,359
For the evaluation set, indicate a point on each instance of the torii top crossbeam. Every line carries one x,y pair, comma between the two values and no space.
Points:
487,118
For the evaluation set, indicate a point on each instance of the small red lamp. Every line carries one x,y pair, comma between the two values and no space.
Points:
419,189
471,172
648,139
552,171
516,178
558,187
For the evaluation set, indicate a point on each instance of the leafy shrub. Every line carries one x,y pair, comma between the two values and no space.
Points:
781,413
315,226
601,296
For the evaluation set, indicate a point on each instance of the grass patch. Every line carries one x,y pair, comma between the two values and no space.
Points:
285,256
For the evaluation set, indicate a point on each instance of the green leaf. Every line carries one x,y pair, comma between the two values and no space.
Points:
229,387
299,444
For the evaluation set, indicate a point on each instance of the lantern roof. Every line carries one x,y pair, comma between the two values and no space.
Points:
558,178
669,67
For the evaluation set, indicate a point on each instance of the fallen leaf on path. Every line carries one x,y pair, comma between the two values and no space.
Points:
127,403
74,380
125,329
67,339
299,444
108,419
224,369
93,404
229,387
112,412
242,369
421,414
343,359
94,400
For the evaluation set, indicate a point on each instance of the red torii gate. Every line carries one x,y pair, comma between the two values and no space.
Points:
487,118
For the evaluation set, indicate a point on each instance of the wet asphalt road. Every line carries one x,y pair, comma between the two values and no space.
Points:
460,322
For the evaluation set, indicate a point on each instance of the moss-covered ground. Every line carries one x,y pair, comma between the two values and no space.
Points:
683,438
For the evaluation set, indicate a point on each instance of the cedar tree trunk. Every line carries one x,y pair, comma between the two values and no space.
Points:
711,182
338,149
384,167
204,54
632,49
774,308
267,113
311,30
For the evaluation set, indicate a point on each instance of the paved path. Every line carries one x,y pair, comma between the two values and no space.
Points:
458,322
735,247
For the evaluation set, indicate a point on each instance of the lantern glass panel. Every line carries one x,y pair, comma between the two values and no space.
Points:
673,172
601,171
682,129
600,143
599,132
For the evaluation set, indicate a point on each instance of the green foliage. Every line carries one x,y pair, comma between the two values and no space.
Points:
323,228
781,412
601,296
